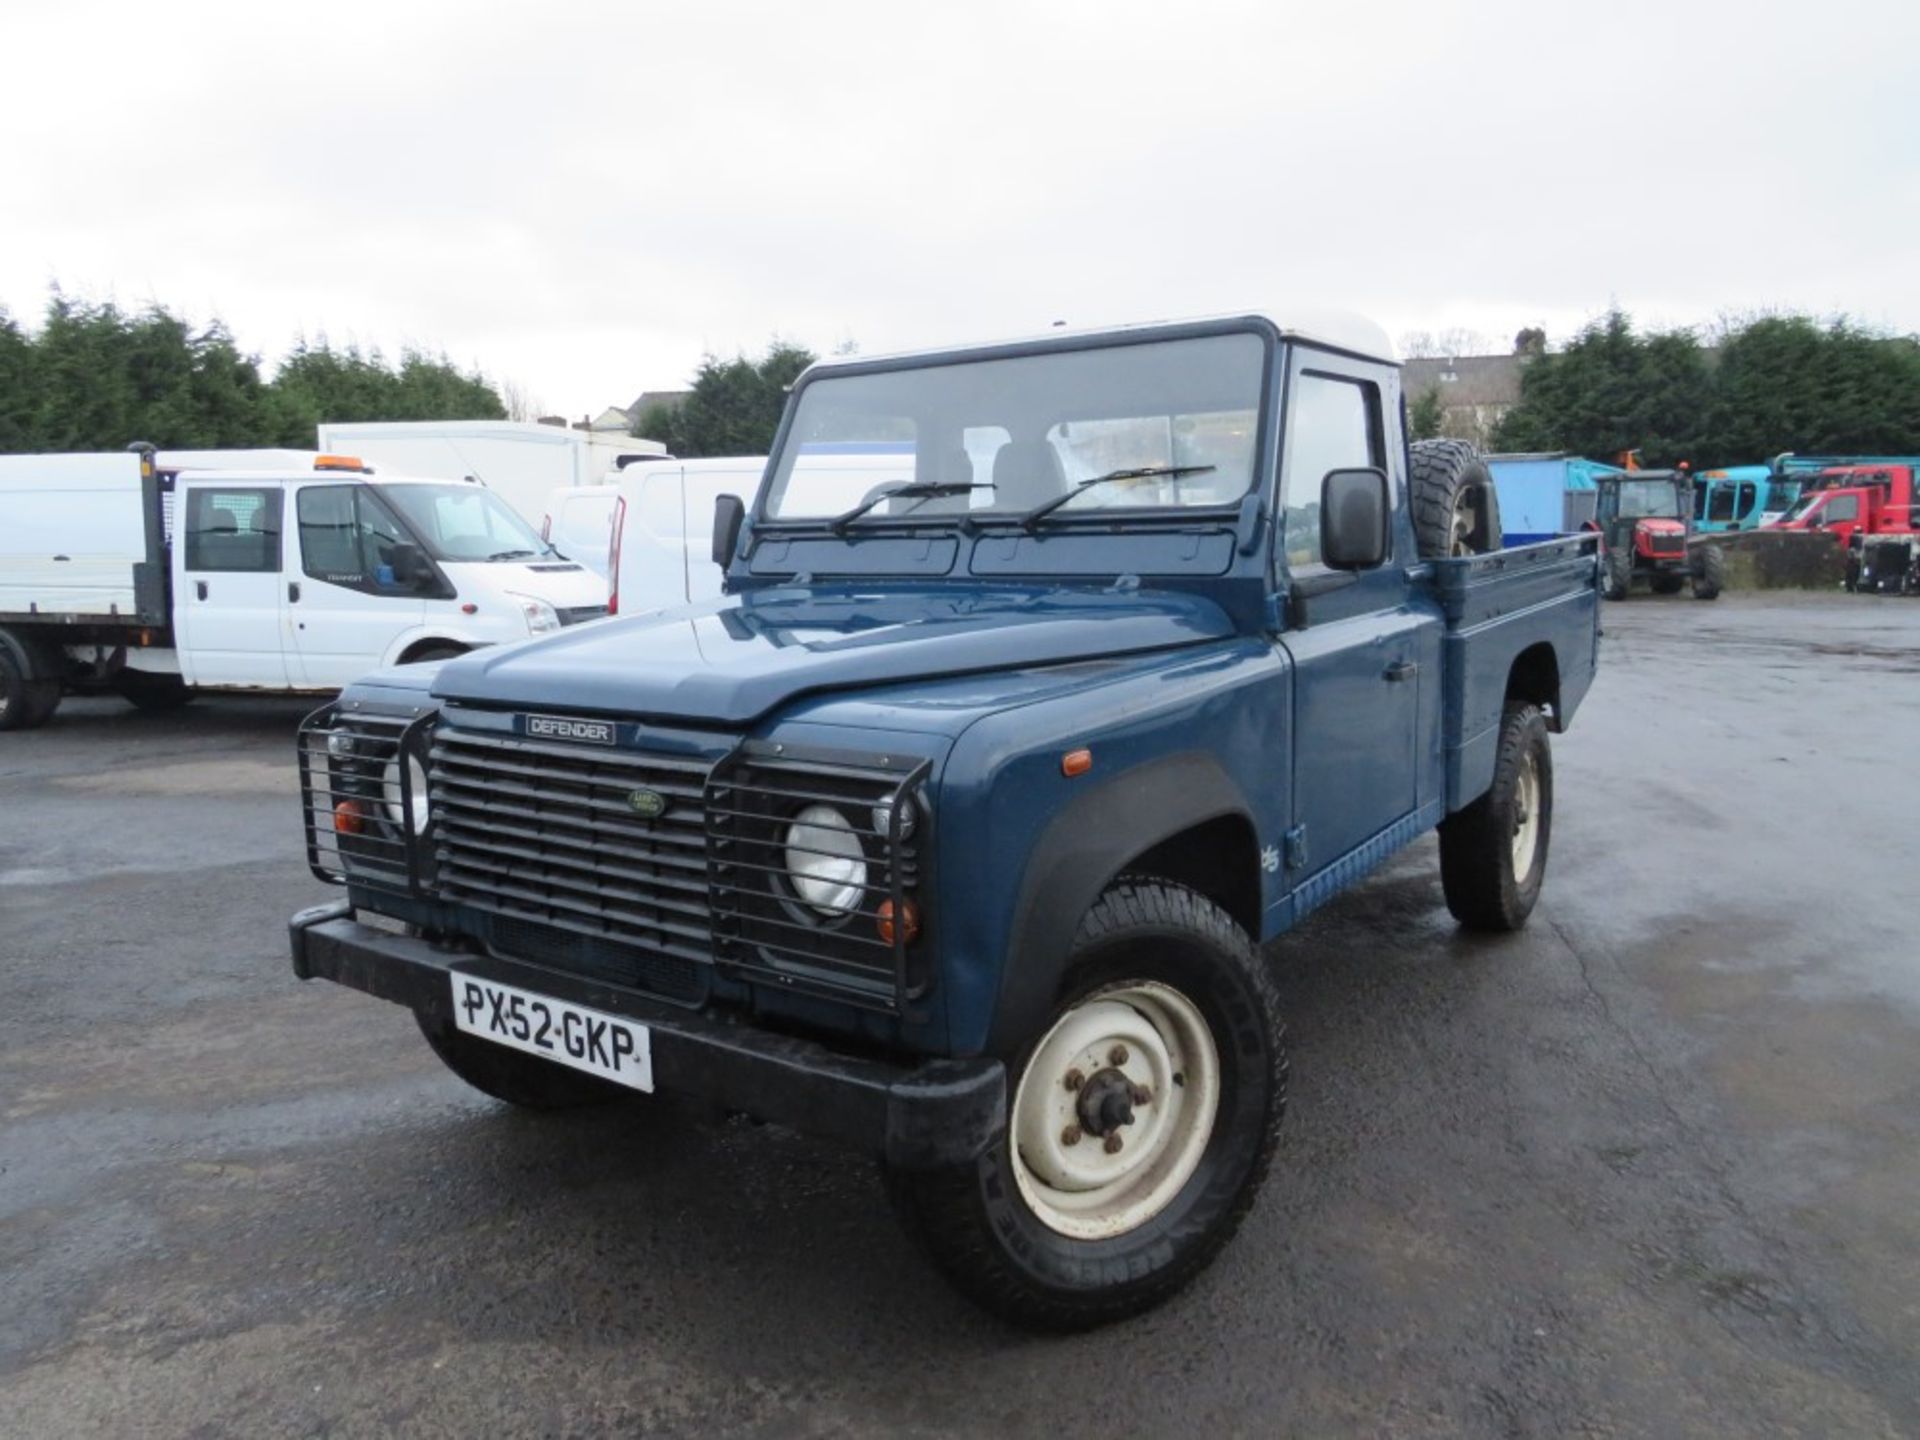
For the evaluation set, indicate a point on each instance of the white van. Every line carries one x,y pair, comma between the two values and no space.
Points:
660,529
135,574
579,524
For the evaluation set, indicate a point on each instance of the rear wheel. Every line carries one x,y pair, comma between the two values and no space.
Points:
1711,573
1618,576
1455,508
25,703
1143,1118
1493,854
523,1080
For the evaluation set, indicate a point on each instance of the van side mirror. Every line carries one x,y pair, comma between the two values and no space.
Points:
729,513
1353,518
411,568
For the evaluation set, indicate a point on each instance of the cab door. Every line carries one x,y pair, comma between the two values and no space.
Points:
347,605
229,601
1366,658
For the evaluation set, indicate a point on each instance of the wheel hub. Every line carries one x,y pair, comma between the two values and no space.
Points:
1114,1109
1106,1102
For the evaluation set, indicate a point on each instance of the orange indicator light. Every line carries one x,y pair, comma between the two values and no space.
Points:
1076,762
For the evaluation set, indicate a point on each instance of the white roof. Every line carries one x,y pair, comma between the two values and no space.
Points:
1334,329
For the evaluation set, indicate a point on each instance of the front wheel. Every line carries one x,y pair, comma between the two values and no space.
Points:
1143,1118
1618,575
1493,854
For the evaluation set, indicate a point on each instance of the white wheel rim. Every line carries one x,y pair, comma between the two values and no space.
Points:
1526,817
1069,1178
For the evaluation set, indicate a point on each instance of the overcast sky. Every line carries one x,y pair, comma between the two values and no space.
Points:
584,199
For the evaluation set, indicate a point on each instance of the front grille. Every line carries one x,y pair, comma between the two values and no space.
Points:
580,614
1662,543
546,834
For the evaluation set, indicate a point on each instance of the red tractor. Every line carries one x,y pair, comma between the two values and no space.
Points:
1645,518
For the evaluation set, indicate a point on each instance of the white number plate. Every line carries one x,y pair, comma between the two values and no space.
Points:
571,1035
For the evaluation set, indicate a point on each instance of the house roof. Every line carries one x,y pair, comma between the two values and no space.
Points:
1465,379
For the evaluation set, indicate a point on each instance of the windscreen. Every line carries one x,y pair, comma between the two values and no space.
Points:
464,523
1154,425
1649,498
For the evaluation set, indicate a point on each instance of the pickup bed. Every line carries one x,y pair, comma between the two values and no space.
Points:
953,829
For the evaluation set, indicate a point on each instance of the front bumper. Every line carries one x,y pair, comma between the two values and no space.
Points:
939,1112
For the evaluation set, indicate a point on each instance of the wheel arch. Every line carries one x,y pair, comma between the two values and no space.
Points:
1201,834
407,653
1534,677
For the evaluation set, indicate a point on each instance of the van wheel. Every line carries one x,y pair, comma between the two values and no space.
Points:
442,650
1456,510
523,1080
145,691
1493,854
25,704
1143,1118
1712,574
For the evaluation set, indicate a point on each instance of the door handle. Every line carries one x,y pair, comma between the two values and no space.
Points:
200,587
293,591
1401,670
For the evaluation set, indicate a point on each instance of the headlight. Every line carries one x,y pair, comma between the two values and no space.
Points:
542,618
825,862
417,800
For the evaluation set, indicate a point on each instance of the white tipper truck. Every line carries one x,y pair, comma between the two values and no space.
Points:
156,575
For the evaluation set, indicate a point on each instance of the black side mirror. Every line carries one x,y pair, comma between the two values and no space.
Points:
729,513
1353,518
411,567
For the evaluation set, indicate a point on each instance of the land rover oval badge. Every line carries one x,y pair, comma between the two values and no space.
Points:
647,804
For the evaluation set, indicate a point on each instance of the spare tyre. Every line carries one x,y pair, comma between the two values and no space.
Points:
1455,508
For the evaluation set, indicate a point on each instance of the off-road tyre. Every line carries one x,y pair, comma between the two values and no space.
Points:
1477,844
25,704
1616,574
150,692
1456,510
1668,584
1711,575
523,1080
979,1229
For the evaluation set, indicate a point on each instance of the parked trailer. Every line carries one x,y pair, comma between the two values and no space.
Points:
1546,494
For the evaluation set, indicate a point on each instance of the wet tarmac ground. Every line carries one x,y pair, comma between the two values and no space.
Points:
1650,1168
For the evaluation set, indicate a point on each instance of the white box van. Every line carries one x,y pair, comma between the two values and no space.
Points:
519,461
138,574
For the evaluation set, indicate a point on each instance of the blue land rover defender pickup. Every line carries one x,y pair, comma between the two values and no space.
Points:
1051,679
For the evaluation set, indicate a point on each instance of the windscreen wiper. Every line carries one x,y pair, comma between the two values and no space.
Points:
512,555
1140,472
909,490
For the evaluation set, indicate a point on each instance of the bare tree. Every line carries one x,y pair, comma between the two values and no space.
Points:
520,402
1444,344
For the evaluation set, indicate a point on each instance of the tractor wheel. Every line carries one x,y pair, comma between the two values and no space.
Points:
1455,508
1617,578
1711,574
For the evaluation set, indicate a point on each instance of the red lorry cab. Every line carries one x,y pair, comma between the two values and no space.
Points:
1845,499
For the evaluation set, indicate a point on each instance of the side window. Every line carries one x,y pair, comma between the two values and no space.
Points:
1332,424
1841,507
1721,508
233,530
347,537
